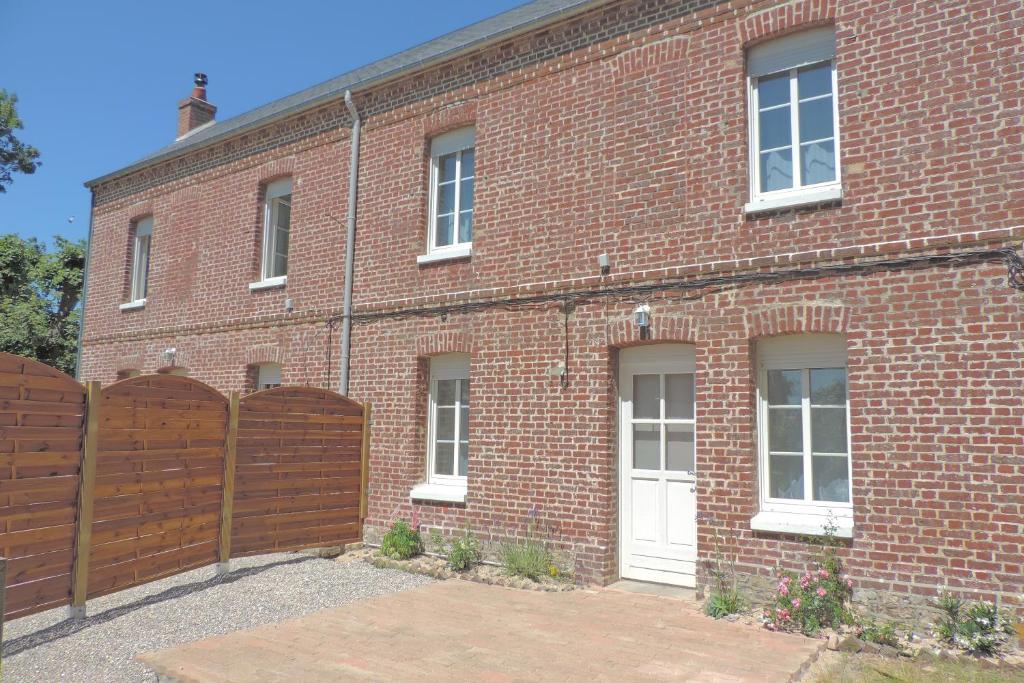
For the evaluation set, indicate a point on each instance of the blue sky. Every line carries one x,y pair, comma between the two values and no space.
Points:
98,81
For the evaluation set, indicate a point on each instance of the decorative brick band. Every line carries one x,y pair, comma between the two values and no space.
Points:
935,244
443,342
776,320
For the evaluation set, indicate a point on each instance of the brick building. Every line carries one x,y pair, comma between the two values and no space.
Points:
665,277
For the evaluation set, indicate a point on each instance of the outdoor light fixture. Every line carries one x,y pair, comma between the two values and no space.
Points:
169,355
642,316
604,264
289,305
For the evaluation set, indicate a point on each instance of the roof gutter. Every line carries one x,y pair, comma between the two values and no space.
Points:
374,81
350,243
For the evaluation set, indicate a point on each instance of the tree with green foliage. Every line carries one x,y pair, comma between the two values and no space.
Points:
39,295
15,155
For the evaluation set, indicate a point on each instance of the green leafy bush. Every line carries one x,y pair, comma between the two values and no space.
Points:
401,541
977,627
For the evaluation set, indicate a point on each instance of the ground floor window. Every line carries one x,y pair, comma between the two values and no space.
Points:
803,424
268,376
448,420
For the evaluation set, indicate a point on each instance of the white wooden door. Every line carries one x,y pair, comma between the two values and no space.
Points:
657,492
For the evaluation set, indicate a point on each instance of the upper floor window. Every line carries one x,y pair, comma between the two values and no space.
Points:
139,284
277,218
794,121
268,376
451,194
803,421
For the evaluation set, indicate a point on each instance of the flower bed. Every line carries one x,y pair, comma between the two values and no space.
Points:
437,568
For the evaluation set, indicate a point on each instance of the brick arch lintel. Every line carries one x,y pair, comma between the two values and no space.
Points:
776,320
788,18
264,353
664,328
437,343
278,168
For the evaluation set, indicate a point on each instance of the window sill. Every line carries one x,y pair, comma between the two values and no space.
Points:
794,200
269,283
801,523
133,305
461,251
440,493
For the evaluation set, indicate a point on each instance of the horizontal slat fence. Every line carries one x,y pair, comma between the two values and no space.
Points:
159,472
104,489
297,478
41,415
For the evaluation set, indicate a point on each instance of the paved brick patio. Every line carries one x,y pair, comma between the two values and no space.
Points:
457,630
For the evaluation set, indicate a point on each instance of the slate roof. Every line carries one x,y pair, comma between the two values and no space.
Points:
517,20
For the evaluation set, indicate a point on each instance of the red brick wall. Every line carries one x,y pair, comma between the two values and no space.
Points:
634,144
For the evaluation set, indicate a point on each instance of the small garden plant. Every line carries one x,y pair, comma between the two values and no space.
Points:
724,598
529,558
976,627
461,553
818,598
882,634
401,541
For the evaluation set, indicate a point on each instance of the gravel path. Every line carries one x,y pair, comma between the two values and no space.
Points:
47,647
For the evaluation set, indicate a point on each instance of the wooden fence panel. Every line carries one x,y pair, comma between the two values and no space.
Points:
297,477
159,477
41,418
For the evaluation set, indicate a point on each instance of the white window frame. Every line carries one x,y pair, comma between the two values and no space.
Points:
274,193
456,142
141,249
791,53
448,488
802,352
268,376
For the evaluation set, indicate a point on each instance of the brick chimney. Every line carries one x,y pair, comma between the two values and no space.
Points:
195,111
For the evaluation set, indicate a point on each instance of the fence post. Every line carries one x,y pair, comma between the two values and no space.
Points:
364,467
3,607
227,502
86,493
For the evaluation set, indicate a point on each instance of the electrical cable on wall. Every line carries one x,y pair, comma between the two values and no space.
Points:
698,288
693,289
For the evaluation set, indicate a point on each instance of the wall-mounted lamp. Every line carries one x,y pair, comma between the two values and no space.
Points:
642,317
289,305
604,263
169,356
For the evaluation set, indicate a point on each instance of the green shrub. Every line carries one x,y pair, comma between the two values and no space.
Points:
978,627
883,634
401,541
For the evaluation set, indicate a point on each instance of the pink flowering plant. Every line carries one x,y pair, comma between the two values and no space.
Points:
818,598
